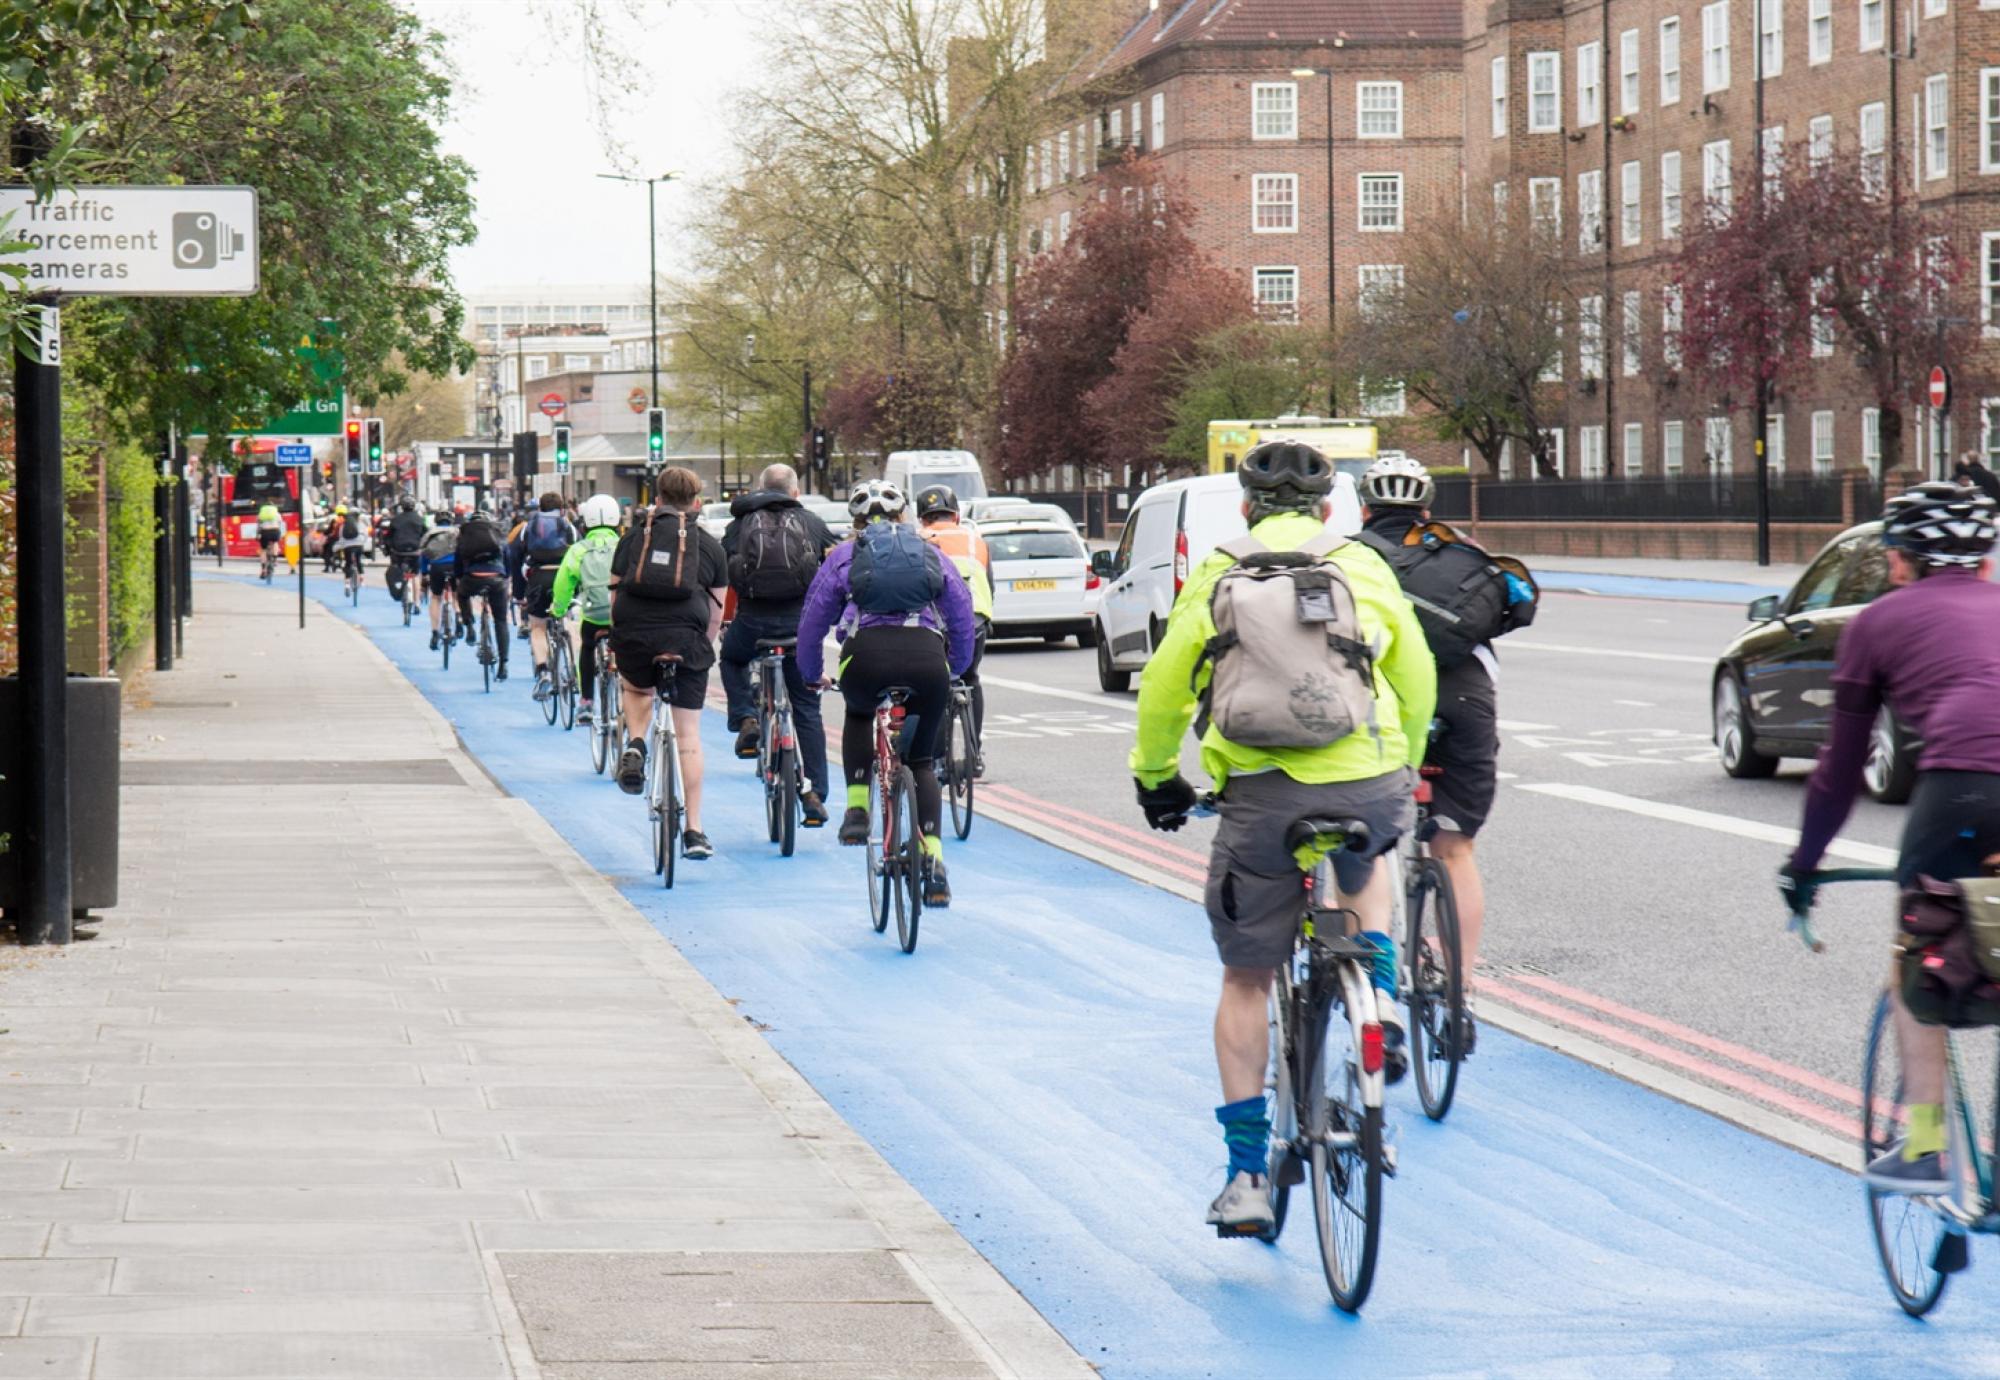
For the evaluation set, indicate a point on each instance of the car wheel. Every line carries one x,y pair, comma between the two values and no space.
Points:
1109,679
1086,637
1891,770
1733,740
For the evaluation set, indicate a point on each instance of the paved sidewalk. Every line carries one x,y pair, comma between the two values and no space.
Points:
371,1076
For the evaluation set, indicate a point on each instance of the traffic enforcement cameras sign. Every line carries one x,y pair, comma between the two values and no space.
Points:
136,241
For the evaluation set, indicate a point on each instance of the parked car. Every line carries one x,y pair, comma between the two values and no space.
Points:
1029,512
1772,695
1043,585
1170,530
987,509
714,519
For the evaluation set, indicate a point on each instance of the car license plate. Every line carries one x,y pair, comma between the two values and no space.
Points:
1020,585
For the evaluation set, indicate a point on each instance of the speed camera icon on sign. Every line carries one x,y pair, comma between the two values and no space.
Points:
200,240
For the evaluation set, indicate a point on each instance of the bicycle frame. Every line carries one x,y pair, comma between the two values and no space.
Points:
774,709
661,740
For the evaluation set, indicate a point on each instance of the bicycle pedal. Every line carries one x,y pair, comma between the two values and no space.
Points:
1244,1231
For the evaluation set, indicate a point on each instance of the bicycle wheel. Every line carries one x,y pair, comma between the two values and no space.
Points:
486,653
767,771
550,706
606,721
958,768
880,876
1909,1232
1284,1167
654,809
449,630
1436,986
1346,1154
906,858
670,812
563,667
788,801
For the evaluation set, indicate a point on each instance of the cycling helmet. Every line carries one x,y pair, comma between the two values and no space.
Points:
406,504
876,498
599,510
1941,524
340,510
1396,481
480,515
938,498
445,517
1285,474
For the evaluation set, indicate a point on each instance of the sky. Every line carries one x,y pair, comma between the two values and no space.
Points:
524,122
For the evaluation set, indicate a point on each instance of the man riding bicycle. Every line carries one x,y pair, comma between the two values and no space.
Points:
405,536
1930,650
585,576
437,563
535,551
905,619
1253,896
350,537
270,532
775,547
480,572
938,521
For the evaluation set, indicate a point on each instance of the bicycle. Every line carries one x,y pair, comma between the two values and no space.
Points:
267,562
606,723
1326,1088
1434,980
961,756
777,745
404,569
561,703
488,658
895,848
350,565
665,803
447,621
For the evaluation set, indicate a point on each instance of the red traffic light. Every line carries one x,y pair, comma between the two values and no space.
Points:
354,429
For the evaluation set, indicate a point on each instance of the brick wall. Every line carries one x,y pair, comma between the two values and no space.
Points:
1791,543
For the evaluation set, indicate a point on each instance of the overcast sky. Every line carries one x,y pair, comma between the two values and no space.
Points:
524,123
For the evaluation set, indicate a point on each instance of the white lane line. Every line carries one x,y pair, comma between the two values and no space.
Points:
1733,825
1099,699
1512,644
1522,726
1637,704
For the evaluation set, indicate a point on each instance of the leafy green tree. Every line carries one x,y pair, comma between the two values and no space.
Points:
1254,369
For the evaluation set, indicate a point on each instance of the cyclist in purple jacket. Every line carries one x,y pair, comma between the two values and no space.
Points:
1930,650
903,617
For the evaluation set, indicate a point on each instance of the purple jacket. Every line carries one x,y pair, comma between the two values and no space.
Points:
828,607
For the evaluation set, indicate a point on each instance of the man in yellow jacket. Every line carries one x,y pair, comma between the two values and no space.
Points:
938,523
1253,896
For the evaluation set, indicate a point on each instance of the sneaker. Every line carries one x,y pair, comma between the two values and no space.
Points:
937,885
632,767
435,639
695,846
979,767
1891,1173
1243,1208
544,686
1457,1044
812,809
470,636
583,714
1395,1046
746,740
501,672
854,827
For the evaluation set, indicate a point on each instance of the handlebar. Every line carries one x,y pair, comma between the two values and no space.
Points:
1800,920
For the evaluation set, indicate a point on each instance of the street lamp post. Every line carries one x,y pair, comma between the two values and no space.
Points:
1332,280
652,268
750,356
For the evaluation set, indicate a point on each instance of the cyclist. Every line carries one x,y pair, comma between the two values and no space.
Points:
480,572
270,532
350,536
902,621
329,533
1253,894
1930,650
938,521
667,577
775,547
437,563
585,576
534,552
405,535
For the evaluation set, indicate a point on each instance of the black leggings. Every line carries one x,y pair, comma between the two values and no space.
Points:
971,679
592,634
873,660
493,589
1953,825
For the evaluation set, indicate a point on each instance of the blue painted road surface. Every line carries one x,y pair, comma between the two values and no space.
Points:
1655,587
1040,1070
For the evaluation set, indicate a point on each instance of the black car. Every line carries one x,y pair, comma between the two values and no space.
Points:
1773,691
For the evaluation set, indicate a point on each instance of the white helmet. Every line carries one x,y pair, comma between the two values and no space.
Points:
1396,481
876,498
599,510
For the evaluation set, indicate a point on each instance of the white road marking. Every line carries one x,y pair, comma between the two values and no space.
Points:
1513,644
1866,853
1637,704
1521,726
1097,698
1506,776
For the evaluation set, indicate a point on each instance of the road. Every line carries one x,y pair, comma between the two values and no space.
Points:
1040,1070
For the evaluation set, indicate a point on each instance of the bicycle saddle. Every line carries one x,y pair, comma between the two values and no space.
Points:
1353,833
667,659
777,644
895,694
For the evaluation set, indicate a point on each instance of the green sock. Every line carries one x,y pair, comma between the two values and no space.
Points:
934,845
857,796
1926,1133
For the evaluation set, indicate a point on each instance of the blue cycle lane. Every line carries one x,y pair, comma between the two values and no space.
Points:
1041,1071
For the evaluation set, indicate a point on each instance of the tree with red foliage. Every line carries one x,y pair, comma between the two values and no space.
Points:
895,399
1832,248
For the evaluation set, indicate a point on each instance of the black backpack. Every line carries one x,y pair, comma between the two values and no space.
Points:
478,540
1460,592
776,556
667,562
894,570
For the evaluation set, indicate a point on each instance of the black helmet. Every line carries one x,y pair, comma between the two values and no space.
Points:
1941,524
406,504
1285,474
938,498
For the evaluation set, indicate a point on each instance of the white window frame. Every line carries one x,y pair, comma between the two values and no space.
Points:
1673,448
1869,35
1628,72
1590,337
1774,442
1262,188
537,366
1362,89
1823,437
1819,141
1672,208
1280,119
1715,47
1500,199
1369,280
576,364
1933,9
1631,356
1544,92
1871,440
1159,115
1672,315
1770,37
1590,452
1273,274
1589,84
1557,445
1048,163
1138,127
1062,155
1631,213
1590,210
1633,446
1875,150
1718,442
1771,159
1989,283
1819,32
1386,400
1545,203
1937,126
1497,95
1670,60
1989,119
1062,229
1718,190
1362,207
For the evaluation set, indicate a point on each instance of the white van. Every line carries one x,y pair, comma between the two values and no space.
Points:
1170,530
913,470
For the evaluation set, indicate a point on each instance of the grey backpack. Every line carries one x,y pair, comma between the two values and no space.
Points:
1292,666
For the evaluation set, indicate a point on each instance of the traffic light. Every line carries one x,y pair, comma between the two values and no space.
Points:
562,448
373,431
354,445
656,436
822,448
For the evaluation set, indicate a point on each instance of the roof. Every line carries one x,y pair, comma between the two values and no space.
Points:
1185,23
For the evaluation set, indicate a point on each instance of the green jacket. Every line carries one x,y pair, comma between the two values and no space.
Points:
1405,677
569,575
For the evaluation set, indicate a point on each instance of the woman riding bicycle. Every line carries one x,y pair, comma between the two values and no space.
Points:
904,618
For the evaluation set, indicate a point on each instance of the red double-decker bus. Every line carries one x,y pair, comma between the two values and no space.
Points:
255,483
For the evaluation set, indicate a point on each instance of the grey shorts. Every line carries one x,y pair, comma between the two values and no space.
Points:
1255,891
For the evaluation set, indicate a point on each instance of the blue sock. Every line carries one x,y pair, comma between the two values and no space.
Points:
1384,972
1246,1130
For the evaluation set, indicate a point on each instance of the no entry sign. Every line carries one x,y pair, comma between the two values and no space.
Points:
1941,388
552,404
